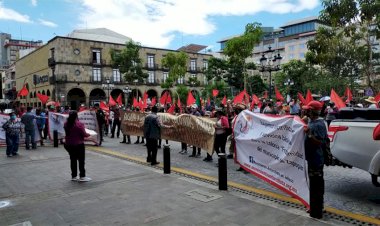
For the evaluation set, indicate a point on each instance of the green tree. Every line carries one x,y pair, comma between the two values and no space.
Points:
358,21
216,70
256,85
182,92
238,49
176,63
219,85
129,62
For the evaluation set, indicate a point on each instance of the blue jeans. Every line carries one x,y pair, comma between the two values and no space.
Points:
12,144
29,138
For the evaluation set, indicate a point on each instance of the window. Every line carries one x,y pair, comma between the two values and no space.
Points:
193,64
165,76
205,79
150,63
52,52
291,56
302,55
291,48
205,64
302,46
181,80
96,74
116,75
150,76
96,56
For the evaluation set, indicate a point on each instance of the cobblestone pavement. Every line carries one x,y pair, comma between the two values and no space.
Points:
346,189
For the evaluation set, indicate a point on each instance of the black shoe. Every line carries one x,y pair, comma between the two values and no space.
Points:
137,142
207,159
144,145
128,142
112,137
123,142
230,156
142,142
9,155
192,156
14,154
154,163
148,160
27,148
159,147
240,169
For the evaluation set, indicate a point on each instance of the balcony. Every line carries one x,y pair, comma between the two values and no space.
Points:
151,66
194,69
61,78
51,62
156,82
97,62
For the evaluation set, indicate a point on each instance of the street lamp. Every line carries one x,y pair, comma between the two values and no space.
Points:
272,63
108,86
127,90
288,83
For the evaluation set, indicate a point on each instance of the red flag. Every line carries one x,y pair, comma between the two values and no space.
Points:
171,109
104,106
135,103
179,105
309,97
300,97
215,92
334,97
377,97
111,102
265,96
153,102
163,98
190,99
255,100
23,92
119,100
224,101
57,104
43,98
241,97
348,94
279,96
168,99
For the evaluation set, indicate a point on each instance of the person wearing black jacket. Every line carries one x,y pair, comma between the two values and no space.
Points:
101,118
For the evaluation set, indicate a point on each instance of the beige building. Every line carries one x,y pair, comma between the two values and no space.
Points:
77,70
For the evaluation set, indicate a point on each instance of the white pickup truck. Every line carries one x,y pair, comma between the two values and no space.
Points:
351,140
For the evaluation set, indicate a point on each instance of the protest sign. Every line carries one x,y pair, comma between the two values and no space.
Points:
272,148
190,129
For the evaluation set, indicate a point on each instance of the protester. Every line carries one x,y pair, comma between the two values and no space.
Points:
331,112
101,119
13,131
220,135
152,132
195,112
269,109
294,107
40,121
372,102
238,108
28,120
75,134
315,140
116,122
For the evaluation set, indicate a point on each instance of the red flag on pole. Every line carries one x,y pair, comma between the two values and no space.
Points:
224,101
135,103
119,100
215,92
377,97
190,99
265,96
301,98
241,97
255,100
168,99
334,97
104,106
111,102
163,98
153,102
43,98
171,109
179,105
279,96
309,97
23,92
348,94
208,101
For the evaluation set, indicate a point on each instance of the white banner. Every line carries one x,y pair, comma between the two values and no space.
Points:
272,148
3,119
87,117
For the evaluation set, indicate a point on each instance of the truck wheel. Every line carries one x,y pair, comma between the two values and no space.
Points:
374,180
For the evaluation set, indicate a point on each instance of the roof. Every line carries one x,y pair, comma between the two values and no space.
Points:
192,48
228,38
99,34
300,21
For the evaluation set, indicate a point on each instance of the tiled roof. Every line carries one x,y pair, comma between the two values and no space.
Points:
99,34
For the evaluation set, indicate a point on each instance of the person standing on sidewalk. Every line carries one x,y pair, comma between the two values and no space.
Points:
28,120
75,134
40,121
101,119
116,122
13,131
152,132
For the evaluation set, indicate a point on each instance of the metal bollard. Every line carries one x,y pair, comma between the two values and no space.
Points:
222,170
55,138
166,158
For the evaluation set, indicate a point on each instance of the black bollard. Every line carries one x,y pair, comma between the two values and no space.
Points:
55,138
166,159
222,169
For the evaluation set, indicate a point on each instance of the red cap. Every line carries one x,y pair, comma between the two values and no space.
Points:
313,105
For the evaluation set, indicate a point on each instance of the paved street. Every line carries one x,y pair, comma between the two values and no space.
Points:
36,189
346,189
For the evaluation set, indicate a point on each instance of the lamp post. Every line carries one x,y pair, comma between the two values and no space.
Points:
288,83
272,63
108,86
127,90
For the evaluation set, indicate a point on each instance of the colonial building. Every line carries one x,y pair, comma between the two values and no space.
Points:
77,69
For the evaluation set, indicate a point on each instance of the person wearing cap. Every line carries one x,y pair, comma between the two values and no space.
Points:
316,137
372,102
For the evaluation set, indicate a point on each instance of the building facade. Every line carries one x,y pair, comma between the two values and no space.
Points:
77,70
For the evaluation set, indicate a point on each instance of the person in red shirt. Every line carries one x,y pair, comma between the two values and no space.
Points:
75,134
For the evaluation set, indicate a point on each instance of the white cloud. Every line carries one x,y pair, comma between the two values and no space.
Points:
34,2
10,14
47,23
152,22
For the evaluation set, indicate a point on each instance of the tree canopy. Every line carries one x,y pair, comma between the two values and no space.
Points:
176,63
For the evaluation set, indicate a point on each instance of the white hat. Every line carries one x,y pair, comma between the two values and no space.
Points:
194,106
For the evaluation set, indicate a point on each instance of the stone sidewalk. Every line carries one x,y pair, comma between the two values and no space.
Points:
35,189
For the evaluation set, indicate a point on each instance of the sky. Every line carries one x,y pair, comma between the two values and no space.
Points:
154,23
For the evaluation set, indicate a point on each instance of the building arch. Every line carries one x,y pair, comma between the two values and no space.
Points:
115,94
48,93
97,95
43,92
136,93
76,97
